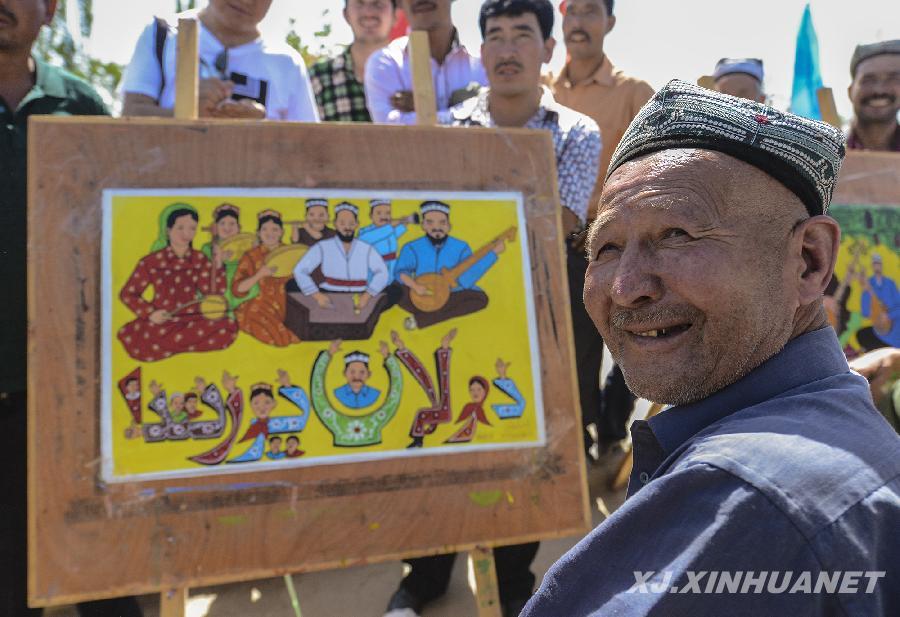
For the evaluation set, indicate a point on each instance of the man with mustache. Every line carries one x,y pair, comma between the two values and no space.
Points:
337,80
348,264
241,74
456,73
589,83
875,94
770,485
28,87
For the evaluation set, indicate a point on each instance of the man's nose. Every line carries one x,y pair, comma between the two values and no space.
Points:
635,281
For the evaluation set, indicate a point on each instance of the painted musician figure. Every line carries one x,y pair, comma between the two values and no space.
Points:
348,264
260,287
434,253
182,278
226,226
315,227
384,232
881,303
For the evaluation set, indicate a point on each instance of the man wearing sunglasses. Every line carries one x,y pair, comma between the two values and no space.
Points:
241,74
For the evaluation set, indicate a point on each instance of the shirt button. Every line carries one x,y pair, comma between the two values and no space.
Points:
644,477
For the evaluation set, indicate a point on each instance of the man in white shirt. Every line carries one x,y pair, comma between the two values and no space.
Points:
241,75
456,73
348,265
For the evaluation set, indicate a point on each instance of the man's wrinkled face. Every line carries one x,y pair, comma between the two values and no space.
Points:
875,90
585,24
241,14
512,53
686,280
21,21
370,20
427,14
345,223
741,85
317,216
262,405
357,374
381,215
436,225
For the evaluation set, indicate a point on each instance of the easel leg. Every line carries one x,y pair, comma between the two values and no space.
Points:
173,603
487,597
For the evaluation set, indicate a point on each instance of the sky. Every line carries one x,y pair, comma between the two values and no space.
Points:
655,40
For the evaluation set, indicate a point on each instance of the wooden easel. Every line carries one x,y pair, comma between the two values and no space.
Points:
481,560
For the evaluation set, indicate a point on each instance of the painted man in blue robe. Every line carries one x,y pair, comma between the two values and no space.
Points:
356,394
880,303
437,252
385,232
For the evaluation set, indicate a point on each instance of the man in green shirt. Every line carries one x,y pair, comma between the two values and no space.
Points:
28,87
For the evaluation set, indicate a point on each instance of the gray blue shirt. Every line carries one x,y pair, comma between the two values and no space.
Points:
788,481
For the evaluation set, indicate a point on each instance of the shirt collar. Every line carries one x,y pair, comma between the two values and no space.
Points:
792,367
854,142
477,110
602,76
48,82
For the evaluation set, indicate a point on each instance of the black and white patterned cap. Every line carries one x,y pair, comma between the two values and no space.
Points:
804,155
316,202
346,205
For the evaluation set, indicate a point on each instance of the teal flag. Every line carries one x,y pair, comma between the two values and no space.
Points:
807,74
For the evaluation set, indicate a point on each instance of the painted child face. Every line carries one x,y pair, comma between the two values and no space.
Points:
227,227
476,391
292,444
177,403
262,405
191,405
131,387
275,445
357,373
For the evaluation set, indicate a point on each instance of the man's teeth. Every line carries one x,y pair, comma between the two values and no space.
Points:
656,333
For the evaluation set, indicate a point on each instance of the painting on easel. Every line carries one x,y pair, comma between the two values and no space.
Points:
862,300
252,329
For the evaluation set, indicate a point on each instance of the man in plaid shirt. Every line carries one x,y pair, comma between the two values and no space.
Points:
338,80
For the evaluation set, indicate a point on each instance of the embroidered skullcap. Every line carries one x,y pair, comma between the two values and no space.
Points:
804,155
269,212
749,66
374,203
312,203
434,206
226,208
261,386
356,356
864,52
345,205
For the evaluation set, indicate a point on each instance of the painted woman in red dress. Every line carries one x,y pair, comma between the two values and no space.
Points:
172,322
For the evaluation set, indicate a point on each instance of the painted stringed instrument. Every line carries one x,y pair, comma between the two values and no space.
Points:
440,283
857,249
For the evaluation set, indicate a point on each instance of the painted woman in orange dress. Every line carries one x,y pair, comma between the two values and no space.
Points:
263,316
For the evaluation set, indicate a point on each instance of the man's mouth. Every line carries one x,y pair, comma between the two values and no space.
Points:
881,100
508,68
666,332
578,36
237,8
370,22
424,6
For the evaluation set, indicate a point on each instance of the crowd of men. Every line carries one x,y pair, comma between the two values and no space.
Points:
587,107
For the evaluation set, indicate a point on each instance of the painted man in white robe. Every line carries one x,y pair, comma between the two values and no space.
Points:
349,265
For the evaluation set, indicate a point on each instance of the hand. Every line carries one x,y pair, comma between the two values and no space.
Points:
245,109
448,338
159,317
420,290
284,380
265,272
462,94
411,219
499,246
199,384
881,367
364,298
335,346
217,257
322,300
229,382
210,93
155,388
383,348
501,367
398,342
402,100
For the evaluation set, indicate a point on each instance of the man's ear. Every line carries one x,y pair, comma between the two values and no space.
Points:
51,11
549,46
346,15
610,23
819,239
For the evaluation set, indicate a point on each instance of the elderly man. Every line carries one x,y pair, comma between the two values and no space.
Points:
740,77
337,80
770,485
456,73
875,94
242,74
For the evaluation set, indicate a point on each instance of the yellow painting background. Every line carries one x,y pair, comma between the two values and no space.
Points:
499,331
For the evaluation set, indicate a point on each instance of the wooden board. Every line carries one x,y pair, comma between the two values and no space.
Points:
869,177
90,540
